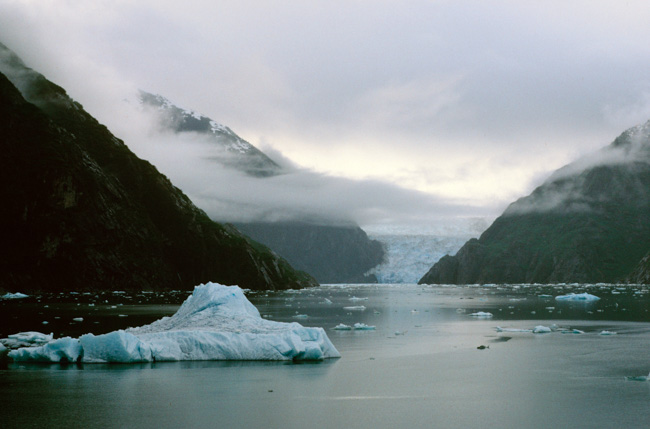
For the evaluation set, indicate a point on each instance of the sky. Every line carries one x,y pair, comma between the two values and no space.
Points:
448,107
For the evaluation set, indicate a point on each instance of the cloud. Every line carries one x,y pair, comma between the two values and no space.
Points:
470,101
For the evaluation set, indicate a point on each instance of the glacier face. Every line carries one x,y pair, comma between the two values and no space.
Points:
412,250
215,323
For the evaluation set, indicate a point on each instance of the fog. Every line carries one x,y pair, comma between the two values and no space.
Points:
422,109
195,163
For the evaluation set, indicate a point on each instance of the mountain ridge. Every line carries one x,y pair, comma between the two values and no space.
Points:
81,211
589,222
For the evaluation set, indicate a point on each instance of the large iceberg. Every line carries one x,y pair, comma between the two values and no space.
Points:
215,323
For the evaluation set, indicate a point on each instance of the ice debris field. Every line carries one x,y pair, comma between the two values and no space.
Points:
216,322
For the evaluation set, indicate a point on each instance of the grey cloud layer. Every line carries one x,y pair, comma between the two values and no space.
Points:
492,93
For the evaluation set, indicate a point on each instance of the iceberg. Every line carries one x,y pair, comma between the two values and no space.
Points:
16,295
541,329
216,322
26,339
355,308
342,327
585,297
482,315
363,327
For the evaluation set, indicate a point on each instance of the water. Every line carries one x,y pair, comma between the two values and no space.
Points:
420,368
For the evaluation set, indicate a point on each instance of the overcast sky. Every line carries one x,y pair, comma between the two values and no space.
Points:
471,102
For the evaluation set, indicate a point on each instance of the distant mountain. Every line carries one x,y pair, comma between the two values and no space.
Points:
332,254
235,152
641,273
589,222
81,212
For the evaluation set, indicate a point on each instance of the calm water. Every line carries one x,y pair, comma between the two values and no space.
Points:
420,368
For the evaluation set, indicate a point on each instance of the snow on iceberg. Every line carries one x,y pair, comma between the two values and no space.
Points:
215,323
585,297
26,339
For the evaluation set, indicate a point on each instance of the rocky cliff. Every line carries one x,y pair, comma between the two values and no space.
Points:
589,222
80,211
641,273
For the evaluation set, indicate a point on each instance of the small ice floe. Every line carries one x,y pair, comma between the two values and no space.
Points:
16,295
482,315
607,333
355,308
572,331
638,378
355,299
363,327
300,316
400,332
45,322
78,319
342,327
500,329
326,301
544,296
541,329
461,311
584,297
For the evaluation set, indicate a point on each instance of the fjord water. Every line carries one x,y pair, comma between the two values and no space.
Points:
420,367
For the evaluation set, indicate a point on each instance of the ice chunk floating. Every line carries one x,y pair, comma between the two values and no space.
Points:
215,323
584,297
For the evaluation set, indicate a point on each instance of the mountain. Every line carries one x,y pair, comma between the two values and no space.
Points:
589,222
331,253
641,273
81,212
234,152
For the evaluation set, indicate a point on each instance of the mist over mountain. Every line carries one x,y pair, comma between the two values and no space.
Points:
332,249
231,150
80,211
589,222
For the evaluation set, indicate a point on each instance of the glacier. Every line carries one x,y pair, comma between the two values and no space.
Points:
411,250
216,322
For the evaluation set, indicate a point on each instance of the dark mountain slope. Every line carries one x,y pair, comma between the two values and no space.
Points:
589,222
641,273
81,211
332,254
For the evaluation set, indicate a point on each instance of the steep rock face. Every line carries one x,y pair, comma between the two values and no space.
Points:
332,254
81,211
641,273
589,222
